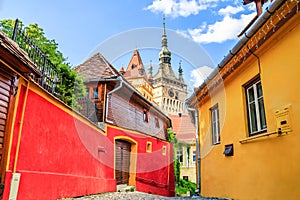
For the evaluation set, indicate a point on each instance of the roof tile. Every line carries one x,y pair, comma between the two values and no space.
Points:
96,67
184,128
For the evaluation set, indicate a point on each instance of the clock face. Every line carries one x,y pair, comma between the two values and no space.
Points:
171,93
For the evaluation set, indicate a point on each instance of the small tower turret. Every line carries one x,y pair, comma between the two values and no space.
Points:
180,72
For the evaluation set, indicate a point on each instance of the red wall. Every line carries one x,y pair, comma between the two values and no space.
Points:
62,156
53,159
154,171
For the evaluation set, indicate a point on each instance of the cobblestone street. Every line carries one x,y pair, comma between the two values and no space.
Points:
134,196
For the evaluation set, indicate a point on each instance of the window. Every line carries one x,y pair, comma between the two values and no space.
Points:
194,156
95,93
149,147
187,157
156,122
215,125
145,115
164,150
180,156
255,108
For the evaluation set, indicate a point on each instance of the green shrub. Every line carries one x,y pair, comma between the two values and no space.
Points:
183,186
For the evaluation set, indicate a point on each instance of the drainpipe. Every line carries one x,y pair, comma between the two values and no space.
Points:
198,171
15,180
107,95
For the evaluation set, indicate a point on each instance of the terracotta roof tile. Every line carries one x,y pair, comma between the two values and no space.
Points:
96,67
184,128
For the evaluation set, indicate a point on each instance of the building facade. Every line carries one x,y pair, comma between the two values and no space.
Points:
114,104
170,91
184,130
248,112
77,153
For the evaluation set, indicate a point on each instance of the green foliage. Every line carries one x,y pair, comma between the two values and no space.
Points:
7,26
183,186
171,136
71,86
177,170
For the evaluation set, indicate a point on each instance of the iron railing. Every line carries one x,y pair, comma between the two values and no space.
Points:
50,76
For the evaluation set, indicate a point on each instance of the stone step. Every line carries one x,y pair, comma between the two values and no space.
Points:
125,188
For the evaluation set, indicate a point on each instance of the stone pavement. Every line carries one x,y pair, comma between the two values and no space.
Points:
135,196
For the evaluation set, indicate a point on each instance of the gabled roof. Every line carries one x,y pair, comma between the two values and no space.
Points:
184,129
96,67
134,66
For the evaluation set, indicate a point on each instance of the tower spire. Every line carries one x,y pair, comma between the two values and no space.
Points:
150,69
180,70
164,40
164,25
165,54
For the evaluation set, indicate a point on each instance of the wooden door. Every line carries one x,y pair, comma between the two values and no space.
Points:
7,81
122,161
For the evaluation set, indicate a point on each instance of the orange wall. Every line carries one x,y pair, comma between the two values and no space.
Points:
265,168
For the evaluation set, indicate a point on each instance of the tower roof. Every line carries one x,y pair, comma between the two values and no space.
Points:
165,69
164,54
135,67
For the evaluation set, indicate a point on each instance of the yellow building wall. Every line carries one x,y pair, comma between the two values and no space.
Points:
268,167
188,169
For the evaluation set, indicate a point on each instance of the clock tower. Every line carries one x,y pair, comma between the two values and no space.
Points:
169,90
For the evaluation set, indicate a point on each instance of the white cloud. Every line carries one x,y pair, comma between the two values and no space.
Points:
230,10
199,75
226,29
183,34
183,8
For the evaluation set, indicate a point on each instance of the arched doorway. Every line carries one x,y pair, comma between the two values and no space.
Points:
122,160
125,160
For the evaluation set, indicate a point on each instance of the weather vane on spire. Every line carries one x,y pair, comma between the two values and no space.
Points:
164,25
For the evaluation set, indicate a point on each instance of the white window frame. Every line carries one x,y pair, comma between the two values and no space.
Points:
179,154
215,125
258,115
187,157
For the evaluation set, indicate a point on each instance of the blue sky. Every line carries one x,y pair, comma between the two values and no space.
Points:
200,32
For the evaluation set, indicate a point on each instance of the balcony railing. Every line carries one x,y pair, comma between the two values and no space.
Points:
50,76
92,109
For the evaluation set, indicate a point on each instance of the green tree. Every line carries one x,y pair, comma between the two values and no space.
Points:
172,138
7,26
71,86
